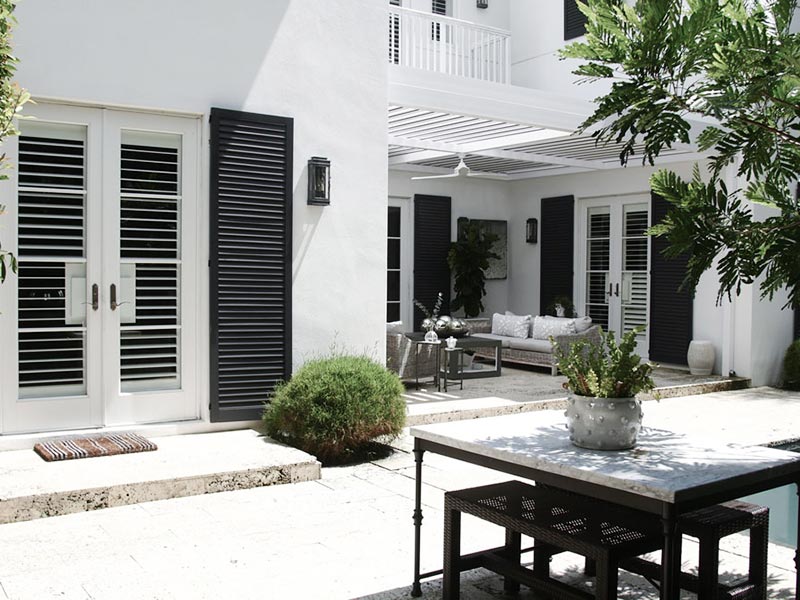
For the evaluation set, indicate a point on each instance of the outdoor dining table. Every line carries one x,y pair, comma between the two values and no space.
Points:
667,474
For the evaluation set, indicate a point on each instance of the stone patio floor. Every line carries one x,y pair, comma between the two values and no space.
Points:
347,535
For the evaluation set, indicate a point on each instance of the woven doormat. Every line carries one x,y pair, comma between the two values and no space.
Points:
97,445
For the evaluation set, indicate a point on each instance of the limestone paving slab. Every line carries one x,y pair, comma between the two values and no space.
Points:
188,465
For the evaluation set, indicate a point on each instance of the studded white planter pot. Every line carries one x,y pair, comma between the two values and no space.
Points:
604,423
700,357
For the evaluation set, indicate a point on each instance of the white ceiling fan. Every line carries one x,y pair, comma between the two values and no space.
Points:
463,170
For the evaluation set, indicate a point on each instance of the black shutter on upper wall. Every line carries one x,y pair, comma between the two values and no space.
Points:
670,307
431,245
556,249
574,20
251,253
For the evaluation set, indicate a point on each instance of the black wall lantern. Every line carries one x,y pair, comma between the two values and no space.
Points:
483,3
319,181
532,231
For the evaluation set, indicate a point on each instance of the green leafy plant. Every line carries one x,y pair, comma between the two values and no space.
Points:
791,367
732,67
468,259
565,302
12,99
607,369
333,407
431,314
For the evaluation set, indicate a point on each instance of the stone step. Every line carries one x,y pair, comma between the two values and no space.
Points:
183,465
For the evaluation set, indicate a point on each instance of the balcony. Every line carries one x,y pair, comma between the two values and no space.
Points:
420,40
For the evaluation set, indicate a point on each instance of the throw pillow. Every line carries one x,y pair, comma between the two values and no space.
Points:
510,325
581,323
544,327
529,317
394,327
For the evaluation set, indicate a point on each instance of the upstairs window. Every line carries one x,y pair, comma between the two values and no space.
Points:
574,20
439,7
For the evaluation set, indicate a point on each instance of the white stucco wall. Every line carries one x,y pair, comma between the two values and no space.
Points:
537,33
473,198
322,63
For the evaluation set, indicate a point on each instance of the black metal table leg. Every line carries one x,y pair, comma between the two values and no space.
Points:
416,589
671,555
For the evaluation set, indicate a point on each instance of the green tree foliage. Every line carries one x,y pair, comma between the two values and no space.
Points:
12,98
791,367
334,406
468,259
734,66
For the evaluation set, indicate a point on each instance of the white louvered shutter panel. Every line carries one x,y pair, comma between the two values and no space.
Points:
598,247
52,262
150,206
635,263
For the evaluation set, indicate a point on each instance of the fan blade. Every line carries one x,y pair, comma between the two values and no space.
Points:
498,176
435,176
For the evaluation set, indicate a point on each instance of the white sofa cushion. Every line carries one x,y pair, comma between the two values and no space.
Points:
511,325
581,323
532,345
544,327
394,327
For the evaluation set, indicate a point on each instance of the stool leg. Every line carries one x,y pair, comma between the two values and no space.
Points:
589,567
512,552
541,559
758,560
709,568
451,576
607,579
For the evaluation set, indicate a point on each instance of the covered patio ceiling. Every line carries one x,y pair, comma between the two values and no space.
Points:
432,142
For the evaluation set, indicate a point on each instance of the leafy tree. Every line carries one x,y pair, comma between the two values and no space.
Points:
468,258
732,66
12,98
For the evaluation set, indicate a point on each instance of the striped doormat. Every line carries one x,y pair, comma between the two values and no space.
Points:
95,445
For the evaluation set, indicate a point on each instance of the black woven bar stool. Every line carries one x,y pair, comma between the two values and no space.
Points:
709,526
558,521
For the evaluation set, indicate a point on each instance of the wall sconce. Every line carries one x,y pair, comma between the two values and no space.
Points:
532,231
319,181
483,3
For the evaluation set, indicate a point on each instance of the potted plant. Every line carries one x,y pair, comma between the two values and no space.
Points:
468,259
604,378
561,306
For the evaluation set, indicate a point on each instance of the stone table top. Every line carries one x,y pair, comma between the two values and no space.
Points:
665,466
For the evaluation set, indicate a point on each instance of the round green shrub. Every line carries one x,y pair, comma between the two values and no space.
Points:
791,367
333,407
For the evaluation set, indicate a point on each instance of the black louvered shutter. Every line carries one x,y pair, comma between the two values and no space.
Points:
556,249
251,231
670,308
797,310
574,20
431,245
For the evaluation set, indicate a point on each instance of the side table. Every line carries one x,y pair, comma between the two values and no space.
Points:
453,366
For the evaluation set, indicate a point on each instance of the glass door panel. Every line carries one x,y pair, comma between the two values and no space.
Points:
598,257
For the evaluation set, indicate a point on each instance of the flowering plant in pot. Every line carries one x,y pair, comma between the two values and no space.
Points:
604,378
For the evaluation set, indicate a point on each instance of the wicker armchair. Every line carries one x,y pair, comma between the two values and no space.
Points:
402,359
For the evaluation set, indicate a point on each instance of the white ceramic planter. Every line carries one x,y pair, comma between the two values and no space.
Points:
604,423
700,357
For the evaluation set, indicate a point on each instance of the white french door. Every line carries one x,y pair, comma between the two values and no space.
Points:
102,327
614,255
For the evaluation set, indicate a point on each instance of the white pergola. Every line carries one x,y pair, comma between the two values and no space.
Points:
499,130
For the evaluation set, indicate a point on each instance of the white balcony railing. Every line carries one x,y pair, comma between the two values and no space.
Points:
435,43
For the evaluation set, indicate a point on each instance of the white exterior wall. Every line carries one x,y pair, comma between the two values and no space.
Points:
537,34
322,63
473,198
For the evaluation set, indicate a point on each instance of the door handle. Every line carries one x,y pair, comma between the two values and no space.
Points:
95,303
610,289
114,303
616,289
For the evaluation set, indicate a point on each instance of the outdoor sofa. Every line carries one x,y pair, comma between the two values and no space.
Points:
526,340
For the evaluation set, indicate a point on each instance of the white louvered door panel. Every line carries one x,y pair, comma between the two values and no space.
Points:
99,201
615,264
153,193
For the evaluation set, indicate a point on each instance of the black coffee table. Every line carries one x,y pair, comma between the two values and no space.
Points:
468,343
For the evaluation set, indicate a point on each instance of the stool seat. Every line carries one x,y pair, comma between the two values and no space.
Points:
603,532
709,525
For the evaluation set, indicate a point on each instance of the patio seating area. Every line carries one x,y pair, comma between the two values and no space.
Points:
353,525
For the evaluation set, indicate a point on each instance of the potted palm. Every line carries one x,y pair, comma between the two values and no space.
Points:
604,378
